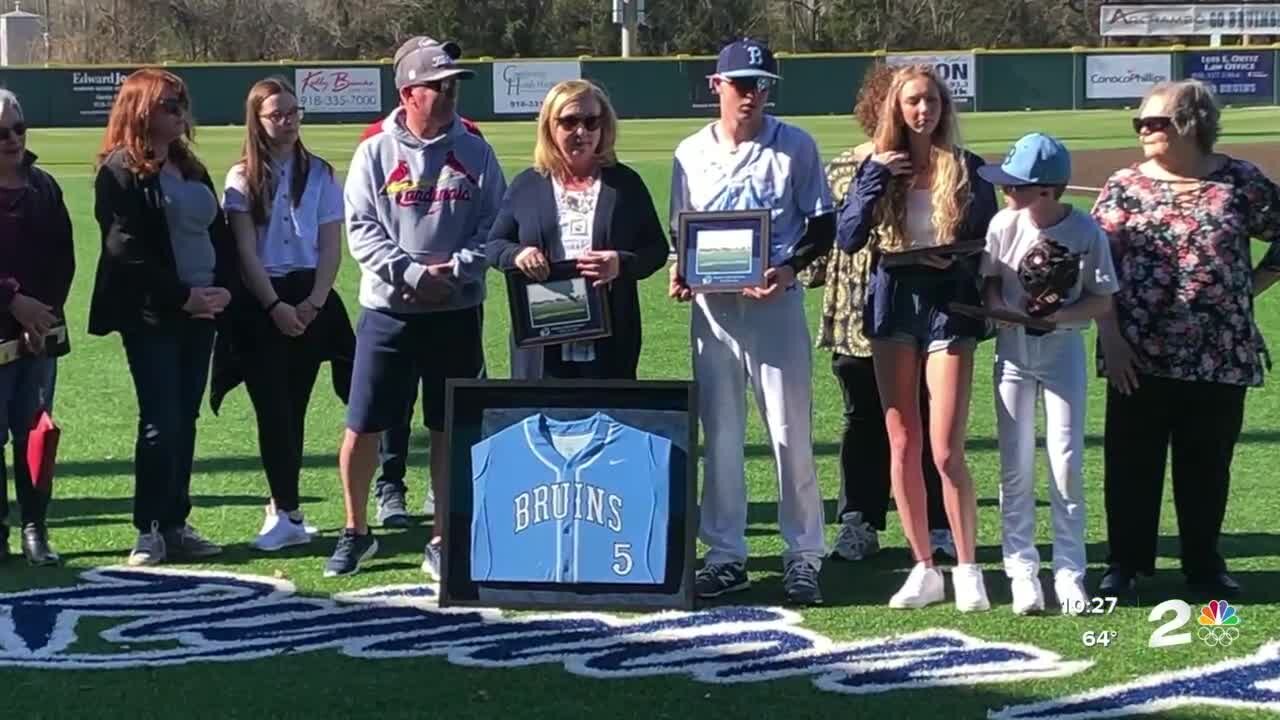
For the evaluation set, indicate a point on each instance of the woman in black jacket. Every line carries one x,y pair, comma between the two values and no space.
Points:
168,259
37,260
579,203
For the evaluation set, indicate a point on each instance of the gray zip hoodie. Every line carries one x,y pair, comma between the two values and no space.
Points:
412,202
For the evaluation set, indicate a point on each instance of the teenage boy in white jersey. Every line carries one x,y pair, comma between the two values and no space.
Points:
420,199
747,160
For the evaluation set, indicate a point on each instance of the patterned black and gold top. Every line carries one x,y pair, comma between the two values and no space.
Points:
842,275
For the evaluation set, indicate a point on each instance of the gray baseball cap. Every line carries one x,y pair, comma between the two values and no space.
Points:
422,59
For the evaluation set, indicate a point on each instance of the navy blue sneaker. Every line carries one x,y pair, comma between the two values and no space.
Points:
714,580
352,549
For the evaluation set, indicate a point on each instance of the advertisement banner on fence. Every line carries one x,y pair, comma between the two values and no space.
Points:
959,71
339,90
1237,74
1124,76
519,87
94,91
1198,19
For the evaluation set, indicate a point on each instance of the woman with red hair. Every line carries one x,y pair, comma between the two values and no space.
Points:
167,261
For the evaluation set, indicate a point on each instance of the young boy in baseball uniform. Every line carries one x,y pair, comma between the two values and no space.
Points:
747,160
1047,260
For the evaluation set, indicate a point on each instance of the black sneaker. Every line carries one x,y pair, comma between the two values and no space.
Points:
392,512
1117,580
714,580
352,549
800,582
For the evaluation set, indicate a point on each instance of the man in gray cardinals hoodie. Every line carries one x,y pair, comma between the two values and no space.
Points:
420,198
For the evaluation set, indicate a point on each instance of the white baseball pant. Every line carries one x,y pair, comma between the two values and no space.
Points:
765,342
1026,366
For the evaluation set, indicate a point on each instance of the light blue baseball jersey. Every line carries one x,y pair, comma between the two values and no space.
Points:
779,170
582,501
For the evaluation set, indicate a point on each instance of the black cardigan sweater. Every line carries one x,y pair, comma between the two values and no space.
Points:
625,222
136,286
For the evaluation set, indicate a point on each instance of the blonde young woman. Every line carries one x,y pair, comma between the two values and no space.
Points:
920,188
579,203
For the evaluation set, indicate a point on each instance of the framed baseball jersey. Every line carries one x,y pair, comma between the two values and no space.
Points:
569,494
570,501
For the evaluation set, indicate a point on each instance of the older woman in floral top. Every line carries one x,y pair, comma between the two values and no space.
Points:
1182,347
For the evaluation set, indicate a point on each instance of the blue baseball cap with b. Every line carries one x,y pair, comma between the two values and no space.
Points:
747,58
1036,159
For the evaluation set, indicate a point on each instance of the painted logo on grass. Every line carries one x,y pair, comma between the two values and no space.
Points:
169,617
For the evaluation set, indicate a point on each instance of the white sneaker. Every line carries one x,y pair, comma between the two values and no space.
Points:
280,532
924,586
971,592
1071,594
943,542
1028,597
269,521
856,539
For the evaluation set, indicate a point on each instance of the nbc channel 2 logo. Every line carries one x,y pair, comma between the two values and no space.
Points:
1219,624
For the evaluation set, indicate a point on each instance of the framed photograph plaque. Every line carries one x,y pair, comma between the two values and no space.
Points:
563,308
723,251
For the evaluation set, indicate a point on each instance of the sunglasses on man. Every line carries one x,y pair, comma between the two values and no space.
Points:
570,123
746,85
17,129
1155,123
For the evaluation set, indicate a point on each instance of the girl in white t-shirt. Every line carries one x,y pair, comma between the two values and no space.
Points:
286,210
1046,260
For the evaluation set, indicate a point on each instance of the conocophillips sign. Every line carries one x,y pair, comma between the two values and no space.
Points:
1218,19
1125,76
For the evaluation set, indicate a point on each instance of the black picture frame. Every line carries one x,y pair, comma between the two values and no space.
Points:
985,313
949,250
573,308
723,266
466,404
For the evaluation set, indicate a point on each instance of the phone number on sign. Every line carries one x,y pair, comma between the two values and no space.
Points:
318,102
530,104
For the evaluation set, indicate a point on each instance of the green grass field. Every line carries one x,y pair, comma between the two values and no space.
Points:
90,516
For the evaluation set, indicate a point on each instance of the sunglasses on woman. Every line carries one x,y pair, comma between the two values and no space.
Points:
173,106
569,123
1154,123
18,129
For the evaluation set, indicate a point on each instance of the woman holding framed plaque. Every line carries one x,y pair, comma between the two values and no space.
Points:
575,233
921,204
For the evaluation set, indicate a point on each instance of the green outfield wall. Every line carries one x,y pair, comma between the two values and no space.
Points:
982,80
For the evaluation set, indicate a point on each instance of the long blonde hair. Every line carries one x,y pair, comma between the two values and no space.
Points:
547,158
949,192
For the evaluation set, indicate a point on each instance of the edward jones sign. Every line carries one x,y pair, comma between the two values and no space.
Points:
339,90
1197,19
1124,76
